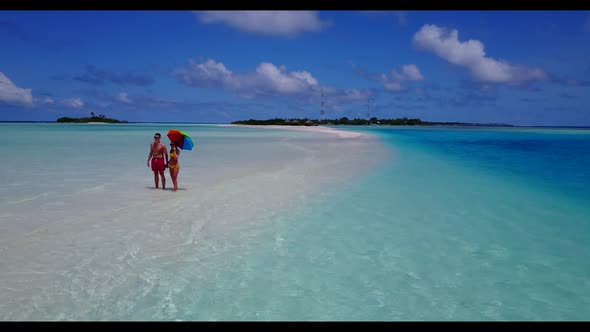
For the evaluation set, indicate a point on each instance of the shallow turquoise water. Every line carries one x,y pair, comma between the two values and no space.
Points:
459,225
450,224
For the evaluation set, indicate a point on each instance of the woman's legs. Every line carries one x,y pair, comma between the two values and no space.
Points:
174,176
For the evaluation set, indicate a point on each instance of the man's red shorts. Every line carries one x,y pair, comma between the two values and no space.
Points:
158,165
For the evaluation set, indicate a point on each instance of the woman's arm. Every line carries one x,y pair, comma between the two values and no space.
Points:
166,154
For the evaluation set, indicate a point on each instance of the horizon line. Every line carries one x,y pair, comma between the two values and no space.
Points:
216,123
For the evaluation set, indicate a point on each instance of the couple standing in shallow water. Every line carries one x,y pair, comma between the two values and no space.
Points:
157,152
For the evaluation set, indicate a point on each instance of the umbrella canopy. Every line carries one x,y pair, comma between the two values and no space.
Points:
181,139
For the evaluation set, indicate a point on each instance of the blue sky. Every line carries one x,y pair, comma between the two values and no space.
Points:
522,68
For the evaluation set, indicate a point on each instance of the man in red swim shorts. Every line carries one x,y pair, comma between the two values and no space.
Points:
157,152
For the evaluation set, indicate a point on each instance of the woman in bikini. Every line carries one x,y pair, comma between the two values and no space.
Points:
173,164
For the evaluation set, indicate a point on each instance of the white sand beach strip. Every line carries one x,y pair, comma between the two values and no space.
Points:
102,244
315,129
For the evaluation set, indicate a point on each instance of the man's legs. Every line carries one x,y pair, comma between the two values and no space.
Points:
159,167
163,180
156,178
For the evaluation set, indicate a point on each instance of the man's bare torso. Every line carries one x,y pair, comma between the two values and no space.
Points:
158,149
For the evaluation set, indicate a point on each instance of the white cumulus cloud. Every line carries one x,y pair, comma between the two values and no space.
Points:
412,72
207,74
471,54
409,72
123,97
73,102
268,22
277,79
47,100
266,79
355,94
12,94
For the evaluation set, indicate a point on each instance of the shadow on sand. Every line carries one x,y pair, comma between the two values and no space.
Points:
167,189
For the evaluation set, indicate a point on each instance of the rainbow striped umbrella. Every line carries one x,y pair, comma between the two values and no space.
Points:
181,139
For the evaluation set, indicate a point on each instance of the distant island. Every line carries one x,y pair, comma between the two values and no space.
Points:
361,122
92,118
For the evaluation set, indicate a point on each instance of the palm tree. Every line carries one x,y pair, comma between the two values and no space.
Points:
92,114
